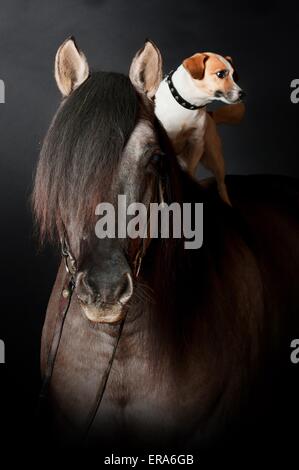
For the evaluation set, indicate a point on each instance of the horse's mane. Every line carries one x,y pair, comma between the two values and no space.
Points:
82,147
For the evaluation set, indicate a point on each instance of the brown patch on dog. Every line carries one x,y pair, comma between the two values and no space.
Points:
182,138
186,148
235,73
228,114
196,65
203,67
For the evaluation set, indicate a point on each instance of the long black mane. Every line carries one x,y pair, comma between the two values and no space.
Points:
82,148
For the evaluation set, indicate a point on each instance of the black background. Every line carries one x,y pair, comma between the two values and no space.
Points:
262,39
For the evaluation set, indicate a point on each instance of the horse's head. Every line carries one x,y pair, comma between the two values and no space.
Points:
104,141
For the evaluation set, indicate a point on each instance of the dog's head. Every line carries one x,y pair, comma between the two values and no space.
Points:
214,76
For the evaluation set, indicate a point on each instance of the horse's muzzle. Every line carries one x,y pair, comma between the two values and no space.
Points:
104,304
111,314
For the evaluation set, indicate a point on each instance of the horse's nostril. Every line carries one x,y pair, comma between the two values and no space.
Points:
125,289
106,294
85,292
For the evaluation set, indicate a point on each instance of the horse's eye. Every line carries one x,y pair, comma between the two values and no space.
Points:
156,163
156,159
221,74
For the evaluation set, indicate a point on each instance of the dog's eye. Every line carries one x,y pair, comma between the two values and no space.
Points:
221,73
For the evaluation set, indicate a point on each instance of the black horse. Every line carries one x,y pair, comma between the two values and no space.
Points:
200,325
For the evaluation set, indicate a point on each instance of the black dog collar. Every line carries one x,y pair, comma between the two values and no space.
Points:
177,96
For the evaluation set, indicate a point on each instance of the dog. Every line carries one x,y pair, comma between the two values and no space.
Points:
181,106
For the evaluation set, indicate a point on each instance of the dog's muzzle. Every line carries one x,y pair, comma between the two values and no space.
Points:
233,96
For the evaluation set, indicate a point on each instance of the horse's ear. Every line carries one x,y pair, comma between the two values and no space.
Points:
146,69
71,67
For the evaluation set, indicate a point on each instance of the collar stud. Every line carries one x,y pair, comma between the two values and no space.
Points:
177,96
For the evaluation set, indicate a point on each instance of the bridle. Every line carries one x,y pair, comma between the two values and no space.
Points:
65,302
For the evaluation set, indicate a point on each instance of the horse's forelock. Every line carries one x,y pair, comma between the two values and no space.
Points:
81,152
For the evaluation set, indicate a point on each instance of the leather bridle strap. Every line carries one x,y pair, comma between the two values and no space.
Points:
65,302
137,265
104,382
64,305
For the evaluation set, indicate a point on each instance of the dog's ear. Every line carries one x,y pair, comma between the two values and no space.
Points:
71,67
146,69
196,65
229,59
235,74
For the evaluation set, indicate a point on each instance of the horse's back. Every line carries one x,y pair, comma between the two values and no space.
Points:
269,207
270,188
258,187
265,209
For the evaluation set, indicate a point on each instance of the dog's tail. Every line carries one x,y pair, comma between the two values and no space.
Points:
229,114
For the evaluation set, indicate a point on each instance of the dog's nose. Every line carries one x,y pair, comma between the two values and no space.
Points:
242,94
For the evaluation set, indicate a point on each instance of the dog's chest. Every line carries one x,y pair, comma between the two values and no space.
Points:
189,133
185,128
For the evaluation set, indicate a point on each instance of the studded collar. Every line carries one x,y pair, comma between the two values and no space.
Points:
177,96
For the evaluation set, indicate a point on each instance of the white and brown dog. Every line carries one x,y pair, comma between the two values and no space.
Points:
180,105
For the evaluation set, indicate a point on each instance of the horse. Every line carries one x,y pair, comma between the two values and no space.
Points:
154,345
